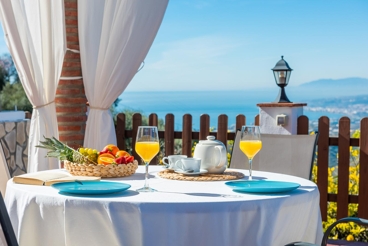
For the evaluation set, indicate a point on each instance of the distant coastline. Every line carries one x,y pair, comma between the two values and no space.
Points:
233,103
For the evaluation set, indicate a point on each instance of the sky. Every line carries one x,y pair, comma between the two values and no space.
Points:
234,44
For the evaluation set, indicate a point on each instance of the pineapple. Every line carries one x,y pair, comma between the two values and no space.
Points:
63,152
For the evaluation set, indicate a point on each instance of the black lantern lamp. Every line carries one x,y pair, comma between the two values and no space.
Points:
282,73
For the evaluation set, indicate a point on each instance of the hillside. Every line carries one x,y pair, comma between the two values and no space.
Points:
328,88
347,82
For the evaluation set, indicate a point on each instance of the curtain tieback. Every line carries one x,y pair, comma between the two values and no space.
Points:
92,107
41,106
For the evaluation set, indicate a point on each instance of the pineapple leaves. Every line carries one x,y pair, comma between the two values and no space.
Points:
57,149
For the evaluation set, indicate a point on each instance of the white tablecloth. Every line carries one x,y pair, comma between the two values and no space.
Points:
180,213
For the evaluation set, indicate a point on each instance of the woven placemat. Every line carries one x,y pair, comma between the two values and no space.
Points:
227,175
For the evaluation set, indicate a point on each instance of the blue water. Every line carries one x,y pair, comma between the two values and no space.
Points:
212,103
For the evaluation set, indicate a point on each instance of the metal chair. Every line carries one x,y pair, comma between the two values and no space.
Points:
6,226
325,240
4,171
286,154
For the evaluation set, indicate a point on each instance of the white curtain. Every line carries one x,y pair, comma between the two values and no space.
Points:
114,39
35,35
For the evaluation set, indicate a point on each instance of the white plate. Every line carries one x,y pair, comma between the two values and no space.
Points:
167,168
91,187
202,171
262,186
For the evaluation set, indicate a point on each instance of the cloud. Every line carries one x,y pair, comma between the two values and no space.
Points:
205,50
192,62
190,55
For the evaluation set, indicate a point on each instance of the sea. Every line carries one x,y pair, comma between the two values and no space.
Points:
213,103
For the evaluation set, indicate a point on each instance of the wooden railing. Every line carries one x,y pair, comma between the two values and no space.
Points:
343,141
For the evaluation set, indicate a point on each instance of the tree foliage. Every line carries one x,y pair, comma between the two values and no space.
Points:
8,72
13,95
11,90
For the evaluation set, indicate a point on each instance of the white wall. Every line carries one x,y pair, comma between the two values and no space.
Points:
12,115
267,119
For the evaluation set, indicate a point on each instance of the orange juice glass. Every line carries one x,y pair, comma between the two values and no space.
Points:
147,146
147,150
250,143
250,147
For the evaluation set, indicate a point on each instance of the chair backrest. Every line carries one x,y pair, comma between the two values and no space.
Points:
6,225
360,221
4,171
326,241
286,154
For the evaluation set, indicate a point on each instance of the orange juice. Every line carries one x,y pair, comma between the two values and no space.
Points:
147,150
250,147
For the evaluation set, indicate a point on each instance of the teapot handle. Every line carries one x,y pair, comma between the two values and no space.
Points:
220,164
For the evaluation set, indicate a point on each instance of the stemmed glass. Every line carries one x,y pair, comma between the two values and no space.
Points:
147,146
250,143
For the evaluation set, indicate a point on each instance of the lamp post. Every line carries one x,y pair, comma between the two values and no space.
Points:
282,72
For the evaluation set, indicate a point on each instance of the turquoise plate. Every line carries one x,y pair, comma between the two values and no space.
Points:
91,187
262,186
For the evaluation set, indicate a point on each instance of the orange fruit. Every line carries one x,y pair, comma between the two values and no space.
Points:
121,153
111,148
105,159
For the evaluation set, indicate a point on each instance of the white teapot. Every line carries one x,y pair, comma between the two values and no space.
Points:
213,154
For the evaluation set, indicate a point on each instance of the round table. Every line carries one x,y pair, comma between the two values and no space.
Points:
179,213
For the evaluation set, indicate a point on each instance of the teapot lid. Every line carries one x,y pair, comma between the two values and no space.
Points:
210,141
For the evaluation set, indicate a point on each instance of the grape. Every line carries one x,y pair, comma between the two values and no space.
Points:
91,154
81,150
85,153
93,157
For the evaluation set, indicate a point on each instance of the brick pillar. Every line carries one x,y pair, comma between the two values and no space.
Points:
70,97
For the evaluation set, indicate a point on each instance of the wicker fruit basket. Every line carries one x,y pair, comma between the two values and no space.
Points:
100,170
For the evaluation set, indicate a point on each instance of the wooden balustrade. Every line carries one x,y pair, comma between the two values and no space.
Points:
343,141
363,172
323,150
